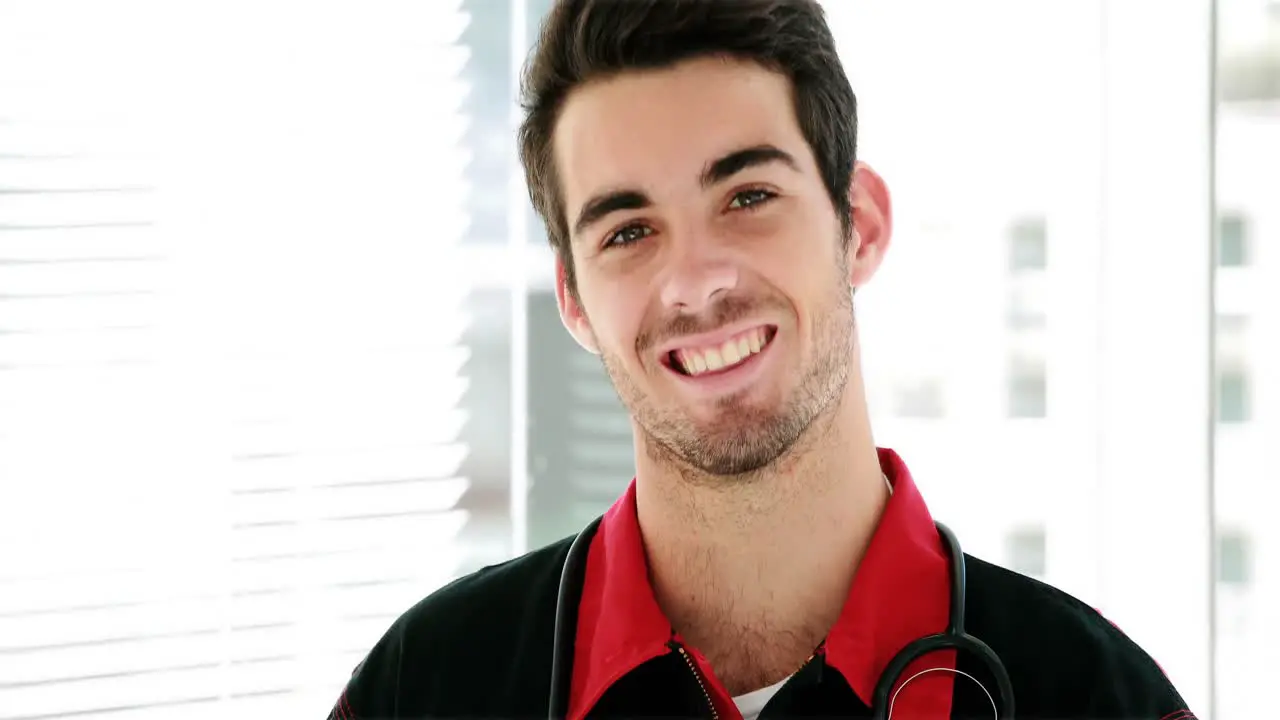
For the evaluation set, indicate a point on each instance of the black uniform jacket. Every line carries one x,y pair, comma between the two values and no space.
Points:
482,646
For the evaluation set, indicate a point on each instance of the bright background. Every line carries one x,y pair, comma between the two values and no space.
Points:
278,351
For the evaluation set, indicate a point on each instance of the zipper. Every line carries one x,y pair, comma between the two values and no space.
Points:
702,685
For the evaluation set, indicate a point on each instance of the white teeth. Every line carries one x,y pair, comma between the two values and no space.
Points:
732,352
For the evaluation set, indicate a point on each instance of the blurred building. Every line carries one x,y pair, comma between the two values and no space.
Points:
1247,456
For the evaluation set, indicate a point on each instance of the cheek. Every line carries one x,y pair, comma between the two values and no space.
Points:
794,263
790,231
615,320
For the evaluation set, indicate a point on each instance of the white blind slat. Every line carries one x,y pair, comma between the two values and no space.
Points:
87,276
135,656
77,313
62,170
76,244
111,623
333,468
230,347
97,346
37,208
58,699
54,590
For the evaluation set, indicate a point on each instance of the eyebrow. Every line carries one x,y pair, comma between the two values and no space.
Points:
716,171
601,205
735,162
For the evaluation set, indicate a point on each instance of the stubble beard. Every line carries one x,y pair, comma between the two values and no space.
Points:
745,440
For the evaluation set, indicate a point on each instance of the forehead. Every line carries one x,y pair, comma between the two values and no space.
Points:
655,130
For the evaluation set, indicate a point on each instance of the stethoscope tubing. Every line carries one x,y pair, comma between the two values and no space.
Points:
954,638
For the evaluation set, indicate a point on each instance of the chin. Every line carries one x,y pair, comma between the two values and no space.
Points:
738,442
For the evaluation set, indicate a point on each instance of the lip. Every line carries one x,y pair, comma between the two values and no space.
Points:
717,338
736,379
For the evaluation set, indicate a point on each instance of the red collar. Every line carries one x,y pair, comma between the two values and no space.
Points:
899,593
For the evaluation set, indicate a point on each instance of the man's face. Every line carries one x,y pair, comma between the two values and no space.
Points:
711,274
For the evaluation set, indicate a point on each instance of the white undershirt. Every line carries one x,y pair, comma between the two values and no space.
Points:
753,702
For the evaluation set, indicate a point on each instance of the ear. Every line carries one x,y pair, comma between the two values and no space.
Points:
872,223
571,312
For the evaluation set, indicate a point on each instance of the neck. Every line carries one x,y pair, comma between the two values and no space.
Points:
754,572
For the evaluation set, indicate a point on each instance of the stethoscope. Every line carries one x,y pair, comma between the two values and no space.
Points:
882,697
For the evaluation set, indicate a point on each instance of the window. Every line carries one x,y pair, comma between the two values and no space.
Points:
1022,318
135,331
230,348
580,434
1233,396
1246,149
489,77
1028,245
1232,327
1028,389
1079,150
1233,241
1026,552
923,399
1234,559
487,432
1232,336
1026,304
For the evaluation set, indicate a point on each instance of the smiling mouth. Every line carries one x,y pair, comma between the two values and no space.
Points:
699,361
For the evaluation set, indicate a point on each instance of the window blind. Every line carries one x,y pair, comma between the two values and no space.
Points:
230,347
584,455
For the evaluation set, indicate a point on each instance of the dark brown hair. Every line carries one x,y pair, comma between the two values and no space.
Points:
583,40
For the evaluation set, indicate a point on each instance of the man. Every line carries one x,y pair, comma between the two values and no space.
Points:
695,165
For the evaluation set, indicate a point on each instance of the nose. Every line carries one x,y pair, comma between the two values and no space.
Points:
696,273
